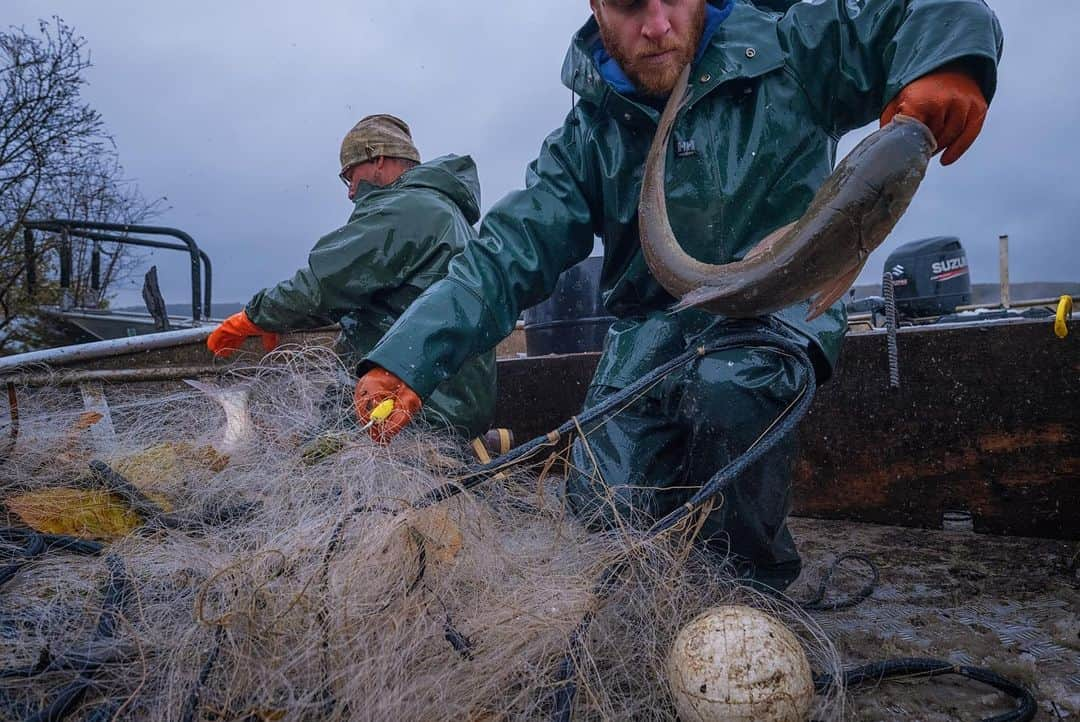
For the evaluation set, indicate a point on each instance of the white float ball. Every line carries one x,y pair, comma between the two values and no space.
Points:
737,664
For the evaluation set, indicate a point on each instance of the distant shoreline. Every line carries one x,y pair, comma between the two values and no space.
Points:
981,293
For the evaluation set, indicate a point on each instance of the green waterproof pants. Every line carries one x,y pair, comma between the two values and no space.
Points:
650,458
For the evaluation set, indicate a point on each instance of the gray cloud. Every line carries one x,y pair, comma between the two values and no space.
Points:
234,111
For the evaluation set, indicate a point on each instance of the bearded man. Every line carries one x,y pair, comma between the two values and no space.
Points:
770,96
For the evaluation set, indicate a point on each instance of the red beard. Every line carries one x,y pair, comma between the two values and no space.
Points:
656,78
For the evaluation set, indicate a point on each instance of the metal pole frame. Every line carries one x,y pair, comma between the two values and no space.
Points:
200,288
30,253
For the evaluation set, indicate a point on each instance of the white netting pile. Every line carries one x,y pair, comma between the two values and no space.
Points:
292,580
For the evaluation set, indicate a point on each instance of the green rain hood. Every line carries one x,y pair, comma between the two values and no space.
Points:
398,242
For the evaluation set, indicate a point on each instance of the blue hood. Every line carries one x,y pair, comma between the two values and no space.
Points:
611,72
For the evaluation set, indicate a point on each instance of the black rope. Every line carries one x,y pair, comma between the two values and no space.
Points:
102,713
44,663
66,702
562,707
8,571
152,513
133,496
117,593
53,542
421,560
191,705
35,545
322,616
817,602
461,644
563,701
477,474
72,661
930,668
458,641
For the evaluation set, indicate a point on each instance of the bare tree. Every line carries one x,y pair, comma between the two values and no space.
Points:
95,189
56,160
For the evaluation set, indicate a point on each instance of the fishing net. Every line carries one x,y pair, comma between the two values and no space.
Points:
278,569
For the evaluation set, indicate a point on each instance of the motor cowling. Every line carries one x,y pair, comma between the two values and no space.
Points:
930,277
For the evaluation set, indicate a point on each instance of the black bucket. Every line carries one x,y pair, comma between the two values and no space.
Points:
573,320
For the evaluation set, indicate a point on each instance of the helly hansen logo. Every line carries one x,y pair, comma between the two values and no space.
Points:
684,148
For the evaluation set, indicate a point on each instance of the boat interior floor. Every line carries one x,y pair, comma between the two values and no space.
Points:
1010,604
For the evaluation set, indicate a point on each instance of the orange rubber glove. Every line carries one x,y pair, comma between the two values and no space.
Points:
229,336
950,103
376,386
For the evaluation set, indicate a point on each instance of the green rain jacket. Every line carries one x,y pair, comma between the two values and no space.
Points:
398,241
770,98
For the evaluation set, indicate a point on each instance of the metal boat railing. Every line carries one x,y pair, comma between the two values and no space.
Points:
201,272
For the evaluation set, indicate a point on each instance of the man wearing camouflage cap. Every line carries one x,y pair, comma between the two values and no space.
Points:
408,220
378,150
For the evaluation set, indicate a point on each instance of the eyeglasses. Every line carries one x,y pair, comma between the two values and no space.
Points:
346,176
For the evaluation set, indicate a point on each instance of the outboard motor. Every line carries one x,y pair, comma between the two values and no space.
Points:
930,277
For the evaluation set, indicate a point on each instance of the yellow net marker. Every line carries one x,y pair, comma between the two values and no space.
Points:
379,414
1064,313
383,410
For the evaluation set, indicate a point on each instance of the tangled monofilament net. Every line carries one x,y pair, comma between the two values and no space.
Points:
303,584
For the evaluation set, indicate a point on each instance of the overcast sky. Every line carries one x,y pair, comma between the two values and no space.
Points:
234,112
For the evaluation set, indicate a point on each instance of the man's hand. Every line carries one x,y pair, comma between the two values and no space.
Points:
950,103
229,336
376,386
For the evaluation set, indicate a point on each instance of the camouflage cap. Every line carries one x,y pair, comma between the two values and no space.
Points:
375,136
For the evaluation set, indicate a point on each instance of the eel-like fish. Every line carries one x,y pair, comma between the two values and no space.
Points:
817,256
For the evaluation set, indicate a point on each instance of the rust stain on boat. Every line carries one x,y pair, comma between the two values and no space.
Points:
1052,435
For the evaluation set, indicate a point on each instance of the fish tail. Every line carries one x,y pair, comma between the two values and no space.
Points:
210,390
234,402
699,297
222,395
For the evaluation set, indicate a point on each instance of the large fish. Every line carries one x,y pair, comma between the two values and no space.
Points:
817,256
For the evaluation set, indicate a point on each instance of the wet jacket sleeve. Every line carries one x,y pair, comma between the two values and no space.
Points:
290,305
379,249
877,47
526,240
